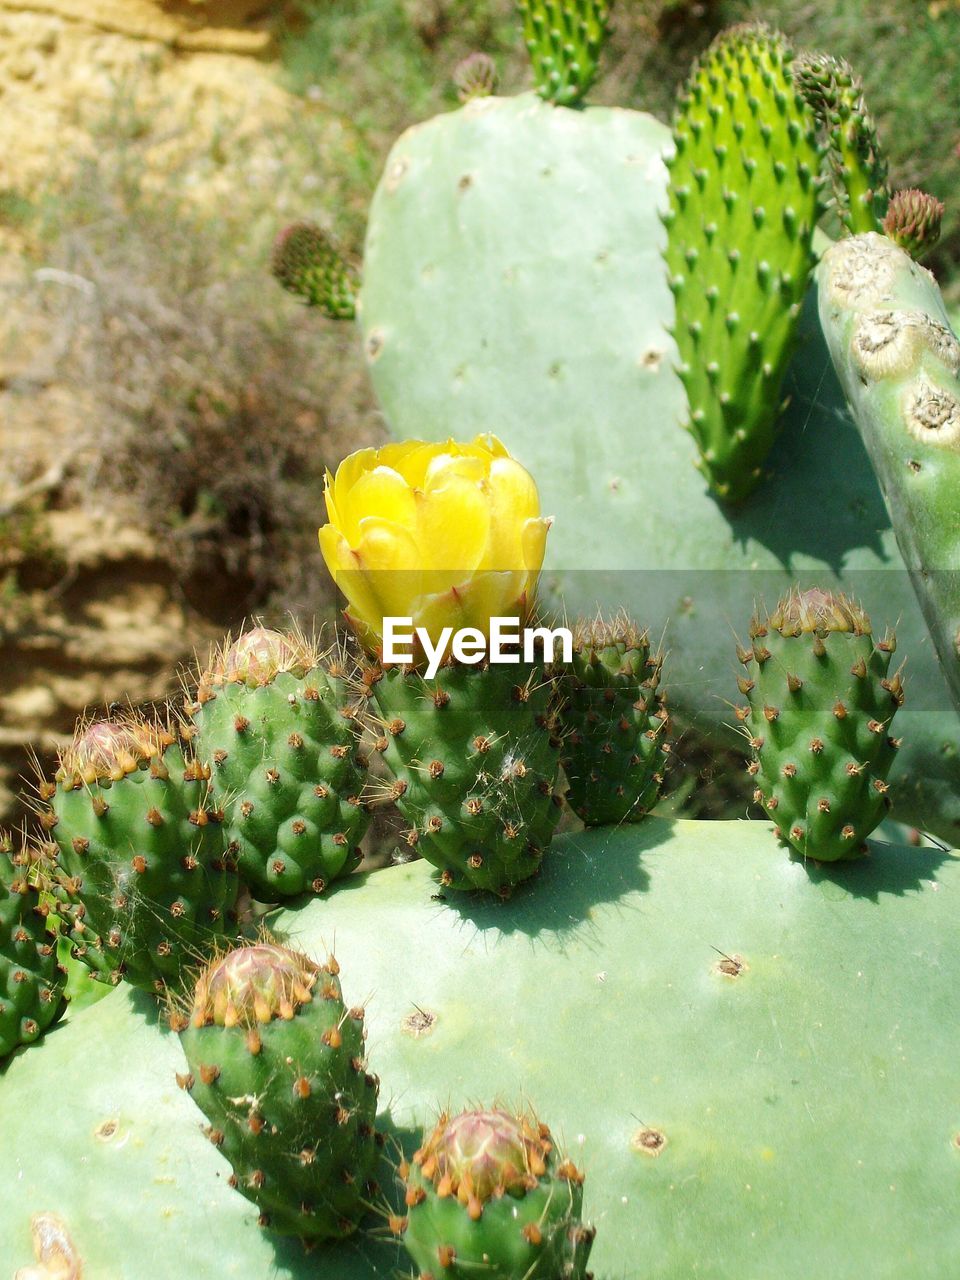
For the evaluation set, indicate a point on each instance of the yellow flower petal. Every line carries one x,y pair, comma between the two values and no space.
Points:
390,560
452,527
533,543
381,492
344,566
513,500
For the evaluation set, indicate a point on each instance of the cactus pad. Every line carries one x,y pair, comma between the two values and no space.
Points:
277,725
753,1108
487,1190
307,262
276,1066
613,723
475,762
820,702
564,39
744,203
142,848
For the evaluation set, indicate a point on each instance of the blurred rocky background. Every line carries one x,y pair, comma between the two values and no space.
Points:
166,413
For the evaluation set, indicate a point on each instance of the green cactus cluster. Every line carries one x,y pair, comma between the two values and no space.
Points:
585,282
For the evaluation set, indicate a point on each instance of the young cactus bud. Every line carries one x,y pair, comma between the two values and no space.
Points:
142,849
488,1192
307,262
276,1066
475,77
820,704
564,39
913,221
858,166
613,722
279,723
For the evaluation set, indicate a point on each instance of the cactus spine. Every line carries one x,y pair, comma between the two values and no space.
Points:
744,202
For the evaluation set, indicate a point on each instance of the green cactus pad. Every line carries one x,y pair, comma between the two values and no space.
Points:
476,763
564,39
143,850
31,980
821,699
468,320
307,262
278,727
858,166
276,1066
613,722
899,362
776,1091
744,203
488,1191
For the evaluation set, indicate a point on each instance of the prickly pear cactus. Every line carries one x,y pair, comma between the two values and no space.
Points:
913,221
278,724
613,722
728,984
899,362
141,847
473,213
487,1190
31,980
744,202
475,760
821,699
276,1065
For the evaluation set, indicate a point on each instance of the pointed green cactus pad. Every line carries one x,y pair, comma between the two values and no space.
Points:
857,163
513,276
308,262
564,39
753,1062
744,202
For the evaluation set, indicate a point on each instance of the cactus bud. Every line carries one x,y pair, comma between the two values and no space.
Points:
913,221
475,77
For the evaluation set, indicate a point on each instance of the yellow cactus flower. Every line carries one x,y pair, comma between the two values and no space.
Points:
449,535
